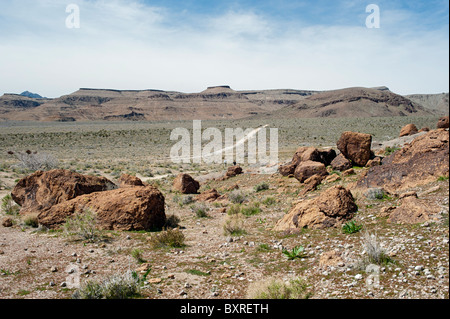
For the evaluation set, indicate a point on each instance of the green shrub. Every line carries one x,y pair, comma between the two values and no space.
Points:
351,227
9,206
269,201
168,238
234,224
83,225
251,210
137,254
297,252
261,187
200,210
31,221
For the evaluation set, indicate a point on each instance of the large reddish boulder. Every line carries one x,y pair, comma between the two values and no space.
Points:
185,184
42,190
125,209
233,171
330,209
126,180
287,169
422,161
443,122
308,168
355,147
409,129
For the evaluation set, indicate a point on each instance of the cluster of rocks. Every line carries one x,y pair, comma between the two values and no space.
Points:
58,194
420,162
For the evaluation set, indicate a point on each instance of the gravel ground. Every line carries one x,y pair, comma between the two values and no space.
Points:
39,264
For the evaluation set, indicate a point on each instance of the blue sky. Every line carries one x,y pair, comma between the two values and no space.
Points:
189,45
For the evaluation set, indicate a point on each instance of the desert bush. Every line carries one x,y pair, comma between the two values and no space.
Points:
234,224
237,197
200,210
172,221
31,221
9,206
119,286
83,225
269,201
168,238
261,187
375,252
36,161
250,210
272,288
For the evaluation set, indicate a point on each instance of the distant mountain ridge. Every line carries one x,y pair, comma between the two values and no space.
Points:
32,95
216,103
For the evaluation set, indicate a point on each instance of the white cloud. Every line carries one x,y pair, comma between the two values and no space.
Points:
128,45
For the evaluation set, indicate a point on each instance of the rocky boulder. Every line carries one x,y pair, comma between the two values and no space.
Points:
443,122
307,153
126,180
42,190
124,209
233,171
308,168
422,161
185,184
355,147
208,196
409,129
412,211
340,163
330,209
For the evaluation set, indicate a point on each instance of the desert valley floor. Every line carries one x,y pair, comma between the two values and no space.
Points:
39,263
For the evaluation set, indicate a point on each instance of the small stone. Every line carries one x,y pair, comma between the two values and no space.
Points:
53,269
51,284
358,277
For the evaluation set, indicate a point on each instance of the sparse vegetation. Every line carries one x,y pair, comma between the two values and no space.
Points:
34,161
375,252
173,238
200,210
83,225
351,227
296,252
234,224
9,207
119,286
273,288
237,197
261,187
137,255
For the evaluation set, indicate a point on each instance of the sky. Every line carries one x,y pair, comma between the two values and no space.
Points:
55,47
